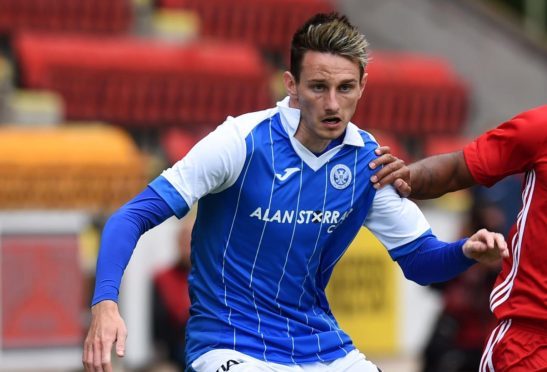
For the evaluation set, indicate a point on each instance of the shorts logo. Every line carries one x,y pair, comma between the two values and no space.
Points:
228,364
340,176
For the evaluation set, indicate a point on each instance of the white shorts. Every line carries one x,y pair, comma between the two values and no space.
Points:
224,360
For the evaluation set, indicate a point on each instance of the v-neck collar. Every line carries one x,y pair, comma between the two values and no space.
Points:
290,119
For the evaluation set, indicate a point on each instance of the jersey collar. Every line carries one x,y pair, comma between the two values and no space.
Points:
290,118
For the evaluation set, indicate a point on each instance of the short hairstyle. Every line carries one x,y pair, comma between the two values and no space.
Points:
328,33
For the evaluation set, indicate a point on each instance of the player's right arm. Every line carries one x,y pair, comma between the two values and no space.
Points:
120,235
107,327
512,147
213,164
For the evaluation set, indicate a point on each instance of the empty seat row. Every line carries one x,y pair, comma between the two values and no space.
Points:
143,83
413,95
87,16
267,24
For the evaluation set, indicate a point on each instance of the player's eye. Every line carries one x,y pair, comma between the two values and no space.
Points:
346,88
318,87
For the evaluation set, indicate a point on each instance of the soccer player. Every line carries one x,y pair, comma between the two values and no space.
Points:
282,193
519,297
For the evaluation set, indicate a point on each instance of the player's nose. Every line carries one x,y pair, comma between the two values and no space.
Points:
331,102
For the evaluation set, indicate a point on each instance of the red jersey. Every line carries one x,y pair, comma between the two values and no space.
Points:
519,146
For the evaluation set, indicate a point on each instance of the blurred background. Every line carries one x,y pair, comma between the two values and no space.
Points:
98,96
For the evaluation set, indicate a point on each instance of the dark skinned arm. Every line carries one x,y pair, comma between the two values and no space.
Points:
436,175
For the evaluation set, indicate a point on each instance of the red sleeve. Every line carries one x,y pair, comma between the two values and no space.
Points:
513,147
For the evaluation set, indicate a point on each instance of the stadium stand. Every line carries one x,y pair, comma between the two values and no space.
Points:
81,16
89,167
176,143
440,144
413,95
267,24
140,83
5,85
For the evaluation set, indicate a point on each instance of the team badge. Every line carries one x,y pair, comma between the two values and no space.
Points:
340,176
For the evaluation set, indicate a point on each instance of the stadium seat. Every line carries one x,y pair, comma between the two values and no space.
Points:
177,142
440,144
267,24
141,83
396,147
82,16
413,95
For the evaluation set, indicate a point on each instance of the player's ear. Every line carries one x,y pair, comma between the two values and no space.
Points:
290,85
363,83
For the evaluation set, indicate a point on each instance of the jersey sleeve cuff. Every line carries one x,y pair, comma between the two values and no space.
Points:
171,196
407,248
474,164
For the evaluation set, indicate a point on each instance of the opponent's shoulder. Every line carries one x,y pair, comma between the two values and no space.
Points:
527,129
530,121
537,114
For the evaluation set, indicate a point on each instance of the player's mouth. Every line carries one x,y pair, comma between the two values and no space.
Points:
331,121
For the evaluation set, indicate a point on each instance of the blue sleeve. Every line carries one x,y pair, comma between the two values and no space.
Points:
119,238
428,260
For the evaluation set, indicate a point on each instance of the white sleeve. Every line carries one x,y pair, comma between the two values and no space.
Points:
212,165
395,221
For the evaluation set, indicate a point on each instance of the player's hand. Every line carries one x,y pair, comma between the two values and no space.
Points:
107,327
486,247
394,172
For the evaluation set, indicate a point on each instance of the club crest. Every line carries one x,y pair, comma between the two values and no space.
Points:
340,176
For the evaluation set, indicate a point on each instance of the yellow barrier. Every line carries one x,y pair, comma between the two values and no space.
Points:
363,296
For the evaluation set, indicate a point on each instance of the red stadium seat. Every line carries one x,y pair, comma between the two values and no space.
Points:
268,24
177,142
396,147
434,145
413,95
82,16
143,83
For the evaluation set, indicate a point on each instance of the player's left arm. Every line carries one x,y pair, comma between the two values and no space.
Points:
429,260
404,231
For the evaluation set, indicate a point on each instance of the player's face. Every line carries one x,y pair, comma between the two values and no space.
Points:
327,95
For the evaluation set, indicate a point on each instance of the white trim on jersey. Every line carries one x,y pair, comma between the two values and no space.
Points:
313,252
290,243
486,364
260,245
214,163
290,121
501,292
393,220
230,234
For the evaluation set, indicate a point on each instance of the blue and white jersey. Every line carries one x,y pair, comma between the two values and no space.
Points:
273,220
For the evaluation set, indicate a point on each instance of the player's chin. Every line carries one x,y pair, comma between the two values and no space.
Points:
332,132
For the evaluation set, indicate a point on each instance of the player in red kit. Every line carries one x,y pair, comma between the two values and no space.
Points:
519,297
